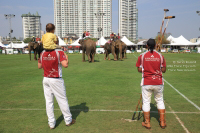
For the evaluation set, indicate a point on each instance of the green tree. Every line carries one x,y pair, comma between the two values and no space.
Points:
164,40
27,40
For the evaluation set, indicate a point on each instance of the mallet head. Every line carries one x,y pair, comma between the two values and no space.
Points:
166,10
169,17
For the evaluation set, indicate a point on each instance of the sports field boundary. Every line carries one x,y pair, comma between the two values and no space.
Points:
95,110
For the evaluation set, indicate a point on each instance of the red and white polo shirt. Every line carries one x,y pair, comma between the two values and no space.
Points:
151,64
51,63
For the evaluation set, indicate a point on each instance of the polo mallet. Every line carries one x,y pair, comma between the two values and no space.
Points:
168,17
136,110
159,38
162,34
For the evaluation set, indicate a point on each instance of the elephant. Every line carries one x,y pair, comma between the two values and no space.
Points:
118,47
37,49
88,46
107,48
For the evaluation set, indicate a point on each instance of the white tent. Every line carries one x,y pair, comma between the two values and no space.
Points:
26,44
170,38
180,41
197,43
76,42
61,42
142,43
6,46
127,42
1,45
18,45
101,41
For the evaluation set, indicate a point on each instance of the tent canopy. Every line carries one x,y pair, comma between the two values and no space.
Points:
180,41
76,42
61,42
101,41
142,42
18,45
127,42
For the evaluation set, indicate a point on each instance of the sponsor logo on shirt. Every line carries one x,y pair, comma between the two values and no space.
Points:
49,57
152,58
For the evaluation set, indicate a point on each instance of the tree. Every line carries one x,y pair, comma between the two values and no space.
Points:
164,40
27,40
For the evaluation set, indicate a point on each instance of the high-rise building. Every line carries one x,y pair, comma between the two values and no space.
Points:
31,25
77,16
128,19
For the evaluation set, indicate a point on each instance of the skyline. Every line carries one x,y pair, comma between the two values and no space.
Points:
150,15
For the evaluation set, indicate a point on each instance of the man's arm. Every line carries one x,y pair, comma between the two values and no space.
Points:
39,65
163,67
65,62
138,64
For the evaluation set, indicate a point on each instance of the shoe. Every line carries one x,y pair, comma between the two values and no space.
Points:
146,122
51,127
73,121
162,118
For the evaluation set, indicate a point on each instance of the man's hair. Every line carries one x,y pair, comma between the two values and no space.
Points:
151,44
50,27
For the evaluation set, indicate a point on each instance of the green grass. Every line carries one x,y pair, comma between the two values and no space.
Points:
108,85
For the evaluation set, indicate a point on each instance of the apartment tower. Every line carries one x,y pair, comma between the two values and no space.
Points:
77,16
31,25
128,19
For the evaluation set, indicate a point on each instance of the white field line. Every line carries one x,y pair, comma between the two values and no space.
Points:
180,93
183,95
179,120
97,110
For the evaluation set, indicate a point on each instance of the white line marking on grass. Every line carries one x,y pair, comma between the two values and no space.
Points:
182,95
99,110
179,120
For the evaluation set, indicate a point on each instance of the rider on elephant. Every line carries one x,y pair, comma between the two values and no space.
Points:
33,39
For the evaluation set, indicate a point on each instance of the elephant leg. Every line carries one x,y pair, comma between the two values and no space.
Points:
35,53
120,52
92,57
89,59
30,54
108,56
115,56
83,55
113,53
105,55
125,53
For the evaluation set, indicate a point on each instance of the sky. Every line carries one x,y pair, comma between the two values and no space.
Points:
150,15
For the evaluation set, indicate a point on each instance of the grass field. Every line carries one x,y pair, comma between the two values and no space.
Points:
100,94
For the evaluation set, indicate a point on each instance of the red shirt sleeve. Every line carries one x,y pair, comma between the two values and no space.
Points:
62,56
164,62
138,64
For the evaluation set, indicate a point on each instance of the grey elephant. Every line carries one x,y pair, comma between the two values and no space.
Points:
37,49
88,47
118,48
107,49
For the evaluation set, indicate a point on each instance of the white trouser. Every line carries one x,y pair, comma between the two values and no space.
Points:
147,91
55,87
